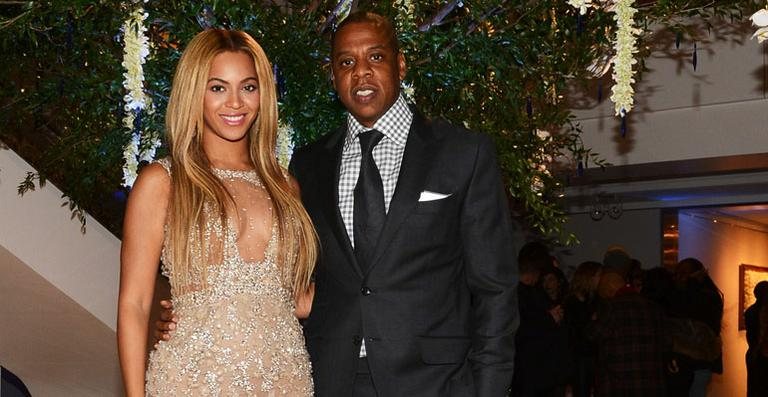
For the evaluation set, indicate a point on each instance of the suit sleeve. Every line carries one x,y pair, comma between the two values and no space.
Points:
491,271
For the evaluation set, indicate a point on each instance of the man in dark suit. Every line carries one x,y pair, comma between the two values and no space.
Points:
415,288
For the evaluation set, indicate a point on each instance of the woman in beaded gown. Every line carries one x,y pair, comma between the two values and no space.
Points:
228,225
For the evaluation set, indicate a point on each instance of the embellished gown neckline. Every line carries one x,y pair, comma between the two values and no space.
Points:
237,333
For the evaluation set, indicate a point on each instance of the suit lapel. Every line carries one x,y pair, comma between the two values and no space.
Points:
414,169
330,197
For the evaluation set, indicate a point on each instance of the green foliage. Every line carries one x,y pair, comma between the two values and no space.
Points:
498,67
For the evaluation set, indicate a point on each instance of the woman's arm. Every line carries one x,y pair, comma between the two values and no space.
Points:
139,258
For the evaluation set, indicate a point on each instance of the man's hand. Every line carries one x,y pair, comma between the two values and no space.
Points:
167,322
304,302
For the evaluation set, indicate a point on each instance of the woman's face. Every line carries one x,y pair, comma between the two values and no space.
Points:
231,101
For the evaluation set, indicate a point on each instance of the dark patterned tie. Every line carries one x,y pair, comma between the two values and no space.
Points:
369,215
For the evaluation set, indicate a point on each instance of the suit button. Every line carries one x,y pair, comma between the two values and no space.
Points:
365,291
356,340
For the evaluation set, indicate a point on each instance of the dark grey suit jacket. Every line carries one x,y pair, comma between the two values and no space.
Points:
437,306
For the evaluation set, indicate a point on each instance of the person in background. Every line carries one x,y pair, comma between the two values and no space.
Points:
698,299
756,322
629,334
617,260
579,309
555,285
542,361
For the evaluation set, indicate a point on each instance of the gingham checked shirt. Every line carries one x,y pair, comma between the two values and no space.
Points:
387,154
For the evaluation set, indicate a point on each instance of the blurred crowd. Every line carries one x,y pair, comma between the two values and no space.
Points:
617,329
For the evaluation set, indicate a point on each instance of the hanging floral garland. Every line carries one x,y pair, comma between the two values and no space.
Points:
582,5
539,162
139,148
284,144
626,48
760,19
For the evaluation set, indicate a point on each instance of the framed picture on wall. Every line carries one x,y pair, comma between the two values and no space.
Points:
749,276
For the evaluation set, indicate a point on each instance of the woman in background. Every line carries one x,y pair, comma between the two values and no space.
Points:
580,306
698,299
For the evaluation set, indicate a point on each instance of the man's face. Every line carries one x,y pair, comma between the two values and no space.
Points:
366,71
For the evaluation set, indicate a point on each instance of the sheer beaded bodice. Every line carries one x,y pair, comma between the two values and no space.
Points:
237,333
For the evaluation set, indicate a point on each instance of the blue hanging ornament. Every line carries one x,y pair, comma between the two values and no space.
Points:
695,56
599,91
279,82
137,120
529,107
70,31
119,195
623,128
579,23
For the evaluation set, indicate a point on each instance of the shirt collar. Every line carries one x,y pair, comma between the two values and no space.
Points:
394,124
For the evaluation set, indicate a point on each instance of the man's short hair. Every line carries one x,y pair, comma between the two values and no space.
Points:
534,257
381,22
761,291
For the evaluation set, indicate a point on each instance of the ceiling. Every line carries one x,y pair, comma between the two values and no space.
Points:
732,186
753,216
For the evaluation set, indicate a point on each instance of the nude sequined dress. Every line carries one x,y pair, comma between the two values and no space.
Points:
237,334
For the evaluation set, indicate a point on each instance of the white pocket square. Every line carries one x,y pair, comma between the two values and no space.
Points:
431,196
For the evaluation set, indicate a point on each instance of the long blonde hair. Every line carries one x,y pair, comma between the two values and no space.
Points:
193,183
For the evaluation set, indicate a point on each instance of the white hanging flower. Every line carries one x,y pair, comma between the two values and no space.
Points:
542,134
761,34
408,91
135,55
131,166
152,143
760,19
625,47
537,184
284,149
582,5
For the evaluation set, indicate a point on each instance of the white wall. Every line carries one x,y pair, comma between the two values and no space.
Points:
717,110
39,231
722,247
